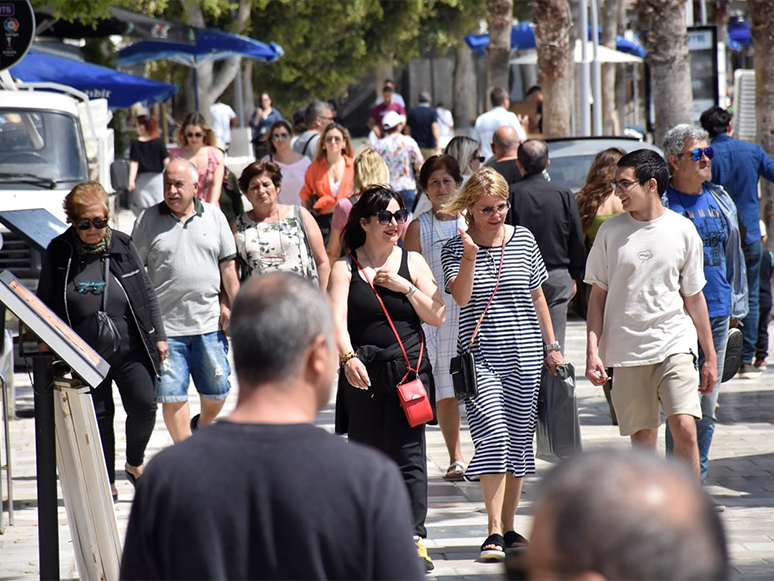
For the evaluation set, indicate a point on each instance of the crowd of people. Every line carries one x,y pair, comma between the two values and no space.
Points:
423,253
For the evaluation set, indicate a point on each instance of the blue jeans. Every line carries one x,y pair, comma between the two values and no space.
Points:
752,259
705,427
409,196
203,357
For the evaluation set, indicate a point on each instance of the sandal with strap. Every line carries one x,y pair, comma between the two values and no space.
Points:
498,554
514,541
455,472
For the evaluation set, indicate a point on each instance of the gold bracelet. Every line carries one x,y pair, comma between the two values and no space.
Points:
346,357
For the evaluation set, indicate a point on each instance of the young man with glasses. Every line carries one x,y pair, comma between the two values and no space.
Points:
647,311
691,193
549,211
738,166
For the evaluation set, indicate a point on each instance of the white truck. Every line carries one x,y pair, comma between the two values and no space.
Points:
52,137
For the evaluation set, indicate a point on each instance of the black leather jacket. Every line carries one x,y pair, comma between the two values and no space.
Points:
128,270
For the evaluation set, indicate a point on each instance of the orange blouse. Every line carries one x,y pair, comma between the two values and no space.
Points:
317,185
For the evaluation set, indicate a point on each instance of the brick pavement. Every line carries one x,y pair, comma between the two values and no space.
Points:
740,476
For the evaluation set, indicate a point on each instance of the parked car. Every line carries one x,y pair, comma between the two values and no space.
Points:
571,157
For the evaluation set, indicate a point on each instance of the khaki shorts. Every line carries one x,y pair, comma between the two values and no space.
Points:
637,392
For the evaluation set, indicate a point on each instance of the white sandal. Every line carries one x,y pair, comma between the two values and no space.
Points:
455,472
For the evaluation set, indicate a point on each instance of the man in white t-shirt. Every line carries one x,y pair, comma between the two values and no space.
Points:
646,309
223,119
489,122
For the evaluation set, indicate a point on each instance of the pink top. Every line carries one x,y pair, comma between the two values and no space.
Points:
205,173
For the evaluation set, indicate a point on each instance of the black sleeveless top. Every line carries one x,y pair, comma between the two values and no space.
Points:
366,321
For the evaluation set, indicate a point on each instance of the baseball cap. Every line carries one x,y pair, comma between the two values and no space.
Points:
392,119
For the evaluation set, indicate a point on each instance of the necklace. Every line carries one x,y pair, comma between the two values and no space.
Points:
265,247
371,262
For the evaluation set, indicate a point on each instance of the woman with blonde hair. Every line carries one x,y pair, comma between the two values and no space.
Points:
370,169
466,151
91,268
197,143
496,269
148,156
330,177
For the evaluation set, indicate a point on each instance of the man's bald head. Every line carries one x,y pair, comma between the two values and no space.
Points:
505,142
625,515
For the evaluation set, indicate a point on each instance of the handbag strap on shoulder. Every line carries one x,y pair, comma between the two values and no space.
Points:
409,369
491,298
107,282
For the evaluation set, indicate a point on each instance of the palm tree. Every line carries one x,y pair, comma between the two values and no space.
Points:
499,17
552,40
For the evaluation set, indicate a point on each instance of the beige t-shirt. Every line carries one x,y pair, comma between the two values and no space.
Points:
646,269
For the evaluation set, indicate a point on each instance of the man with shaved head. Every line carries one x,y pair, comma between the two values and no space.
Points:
505,146
625,515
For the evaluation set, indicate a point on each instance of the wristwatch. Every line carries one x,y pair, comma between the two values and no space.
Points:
552,347
412,289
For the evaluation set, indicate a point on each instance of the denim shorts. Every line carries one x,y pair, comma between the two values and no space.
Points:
201,357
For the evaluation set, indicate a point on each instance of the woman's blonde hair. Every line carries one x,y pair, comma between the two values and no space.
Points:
485,182
370,169
82,196
196,119
348,149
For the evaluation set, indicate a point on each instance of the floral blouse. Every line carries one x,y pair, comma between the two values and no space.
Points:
275,246
401,153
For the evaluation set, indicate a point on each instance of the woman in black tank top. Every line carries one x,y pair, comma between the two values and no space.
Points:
367,406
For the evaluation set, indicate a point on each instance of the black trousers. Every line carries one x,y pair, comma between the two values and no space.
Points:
133,373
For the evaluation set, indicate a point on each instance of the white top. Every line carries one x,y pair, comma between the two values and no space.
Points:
222,115
292,180
646,267
445,122
489,122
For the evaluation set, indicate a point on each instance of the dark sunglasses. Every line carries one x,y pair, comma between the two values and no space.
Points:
480,158
197,135
385,216
98,223
280,136
696,153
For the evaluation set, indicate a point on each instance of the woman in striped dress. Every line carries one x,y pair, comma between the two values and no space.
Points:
513,340
439,178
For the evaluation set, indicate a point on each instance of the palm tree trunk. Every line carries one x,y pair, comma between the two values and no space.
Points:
609,29
552,40
669,62
499,17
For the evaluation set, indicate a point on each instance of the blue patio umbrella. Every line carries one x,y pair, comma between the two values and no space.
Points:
523,38
120,89
211,45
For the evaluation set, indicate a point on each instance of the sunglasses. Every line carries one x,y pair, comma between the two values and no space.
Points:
333,139
197,135
385,216
480,158
500,208
97,223
280,136
696,153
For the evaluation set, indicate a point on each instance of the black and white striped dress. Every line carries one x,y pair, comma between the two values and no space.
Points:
508,352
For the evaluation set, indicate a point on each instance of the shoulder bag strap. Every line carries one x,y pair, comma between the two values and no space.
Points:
497,284
107,282
409,369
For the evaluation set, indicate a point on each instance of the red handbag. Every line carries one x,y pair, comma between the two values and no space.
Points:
411,394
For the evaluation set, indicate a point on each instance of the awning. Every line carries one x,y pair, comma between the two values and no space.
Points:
121,90
606,55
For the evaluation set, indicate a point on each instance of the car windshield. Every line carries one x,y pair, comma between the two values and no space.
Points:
571,170
40,148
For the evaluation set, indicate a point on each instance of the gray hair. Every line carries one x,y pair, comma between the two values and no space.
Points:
191,166
273,321
314,110
675,139
631,515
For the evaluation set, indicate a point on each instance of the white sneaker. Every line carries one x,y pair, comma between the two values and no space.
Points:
749,371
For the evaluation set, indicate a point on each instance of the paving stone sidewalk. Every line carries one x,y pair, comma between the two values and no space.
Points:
740,476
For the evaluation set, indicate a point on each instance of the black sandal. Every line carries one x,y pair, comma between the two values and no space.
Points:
493,554
514,541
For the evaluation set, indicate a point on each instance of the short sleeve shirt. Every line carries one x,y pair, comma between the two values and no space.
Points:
646,267
183,261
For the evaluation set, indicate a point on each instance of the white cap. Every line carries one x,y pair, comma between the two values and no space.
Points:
392,119
763,228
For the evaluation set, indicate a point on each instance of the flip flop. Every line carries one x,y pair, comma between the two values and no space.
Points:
493,554
455,472
514,541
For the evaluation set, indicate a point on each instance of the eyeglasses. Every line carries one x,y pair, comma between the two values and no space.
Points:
327,118
280,136
333,139
624,185
385,216
86,224
500,208
197,135
696,153
480,158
